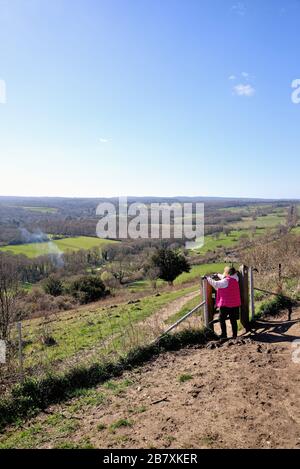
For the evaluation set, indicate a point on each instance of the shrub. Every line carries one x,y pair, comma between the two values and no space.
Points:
88,288
108,279
170,264
53,286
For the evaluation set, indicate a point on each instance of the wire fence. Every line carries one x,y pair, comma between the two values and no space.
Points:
59,342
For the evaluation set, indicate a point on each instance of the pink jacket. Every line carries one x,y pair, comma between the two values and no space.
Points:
229,296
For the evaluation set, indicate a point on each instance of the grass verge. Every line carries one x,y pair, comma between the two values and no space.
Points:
274,307
35,395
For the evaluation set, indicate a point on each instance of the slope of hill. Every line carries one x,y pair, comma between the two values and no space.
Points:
238,395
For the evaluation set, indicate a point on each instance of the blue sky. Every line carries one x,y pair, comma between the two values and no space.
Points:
149,97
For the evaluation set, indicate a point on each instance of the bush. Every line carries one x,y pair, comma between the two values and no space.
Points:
88,288
170,264
53,286
109,280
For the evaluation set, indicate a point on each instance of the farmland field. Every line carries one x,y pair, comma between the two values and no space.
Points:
269,221
37,209
211,242
56,246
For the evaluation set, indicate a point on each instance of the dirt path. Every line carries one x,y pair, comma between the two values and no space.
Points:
157,320
238,395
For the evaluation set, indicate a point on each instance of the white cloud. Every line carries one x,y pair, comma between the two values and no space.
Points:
244,90
239,8
232,77
103,140
245,74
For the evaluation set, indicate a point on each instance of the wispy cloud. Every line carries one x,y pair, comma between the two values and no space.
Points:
244,90
243,86
239,8
104,140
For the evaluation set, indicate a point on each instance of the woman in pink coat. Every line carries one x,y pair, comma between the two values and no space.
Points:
228,299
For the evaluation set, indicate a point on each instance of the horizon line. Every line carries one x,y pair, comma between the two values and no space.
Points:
269,199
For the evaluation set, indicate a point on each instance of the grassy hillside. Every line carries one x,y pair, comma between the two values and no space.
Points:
85,330
53,247
269,221
196,272
211,243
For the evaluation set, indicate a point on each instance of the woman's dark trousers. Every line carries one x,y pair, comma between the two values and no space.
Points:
233,315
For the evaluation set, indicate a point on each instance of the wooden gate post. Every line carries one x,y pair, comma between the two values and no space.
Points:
244,289
207,290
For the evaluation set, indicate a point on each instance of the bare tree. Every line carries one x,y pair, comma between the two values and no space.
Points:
292,217
152,274
119,268
9,292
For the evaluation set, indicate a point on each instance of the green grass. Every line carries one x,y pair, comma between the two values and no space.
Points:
142,285
23,439
185,377
76,332
41,209
119,424
184,310
242,228
197,271
101,426
33,395
269,221
212,243
53,247
36,209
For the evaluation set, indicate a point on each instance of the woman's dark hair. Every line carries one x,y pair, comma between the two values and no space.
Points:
232,271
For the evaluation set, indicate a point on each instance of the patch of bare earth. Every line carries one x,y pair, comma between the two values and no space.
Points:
242,394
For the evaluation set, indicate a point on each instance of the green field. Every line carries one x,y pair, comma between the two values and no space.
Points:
41,209
242,228
211,242
269,221
36,209
243,208
54,247
197,271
